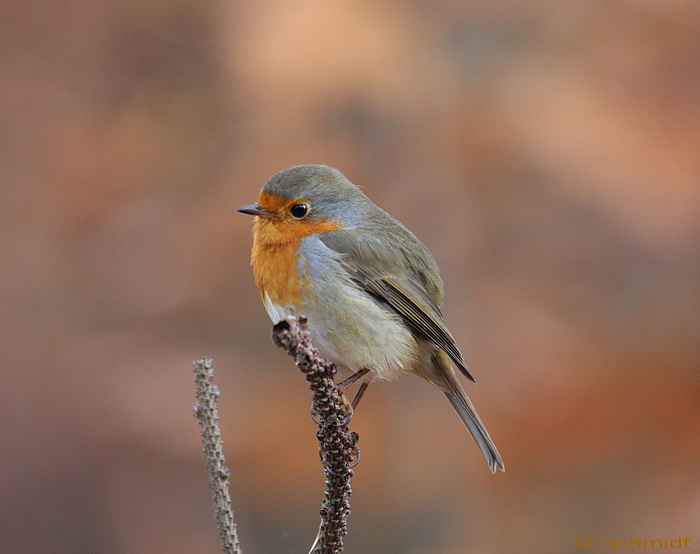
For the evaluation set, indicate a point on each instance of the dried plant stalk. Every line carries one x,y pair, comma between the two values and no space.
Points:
208,416
337,444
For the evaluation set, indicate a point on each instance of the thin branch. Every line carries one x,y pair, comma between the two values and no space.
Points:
337,444
208,416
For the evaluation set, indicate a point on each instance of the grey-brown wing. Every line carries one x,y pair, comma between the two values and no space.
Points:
409,300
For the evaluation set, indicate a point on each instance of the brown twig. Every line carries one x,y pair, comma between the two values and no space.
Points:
208,416
337,444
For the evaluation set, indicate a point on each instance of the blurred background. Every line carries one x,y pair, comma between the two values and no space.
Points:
548,154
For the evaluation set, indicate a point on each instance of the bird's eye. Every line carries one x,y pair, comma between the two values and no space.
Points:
299,210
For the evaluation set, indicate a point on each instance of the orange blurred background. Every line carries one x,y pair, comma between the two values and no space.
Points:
548,153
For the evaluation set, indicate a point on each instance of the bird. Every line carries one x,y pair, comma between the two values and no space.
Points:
369,288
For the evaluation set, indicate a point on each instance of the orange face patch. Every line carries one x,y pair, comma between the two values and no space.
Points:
276,239
283,227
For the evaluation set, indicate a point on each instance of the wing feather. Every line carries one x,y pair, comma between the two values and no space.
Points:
410,301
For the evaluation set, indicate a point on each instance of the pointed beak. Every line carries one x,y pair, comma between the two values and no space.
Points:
255,209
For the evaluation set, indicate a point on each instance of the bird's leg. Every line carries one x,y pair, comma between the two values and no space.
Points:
350,406
354,377
358,395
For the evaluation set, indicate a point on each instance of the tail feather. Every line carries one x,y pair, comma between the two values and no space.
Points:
471,420
467,413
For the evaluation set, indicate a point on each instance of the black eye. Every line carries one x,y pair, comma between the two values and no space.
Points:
299,210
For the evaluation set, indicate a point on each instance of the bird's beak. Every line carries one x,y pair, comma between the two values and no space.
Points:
255,209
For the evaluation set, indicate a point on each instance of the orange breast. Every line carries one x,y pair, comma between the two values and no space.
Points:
274,257
275,271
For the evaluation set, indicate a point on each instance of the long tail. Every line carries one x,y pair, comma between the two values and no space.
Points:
467,413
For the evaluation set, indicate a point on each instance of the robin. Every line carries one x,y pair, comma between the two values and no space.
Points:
370,290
